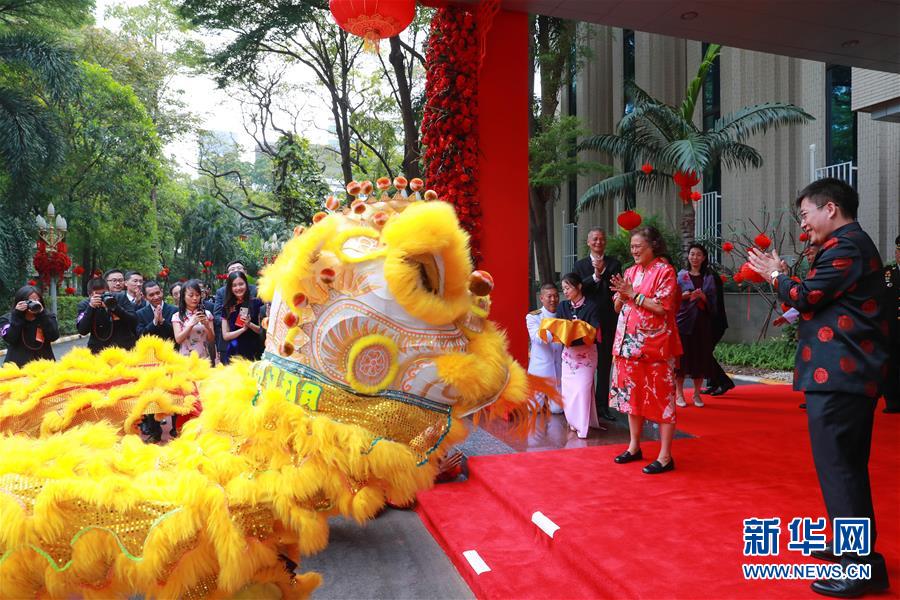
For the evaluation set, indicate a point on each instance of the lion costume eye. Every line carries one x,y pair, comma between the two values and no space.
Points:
430,276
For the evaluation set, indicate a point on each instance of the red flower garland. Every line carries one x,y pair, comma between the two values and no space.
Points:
450,120
52,264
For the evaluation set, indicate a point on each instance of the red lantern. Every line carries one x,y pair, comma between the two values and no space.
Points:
738,277
763,241
804,237
696,196
628,220
647,168
749,274
373,20
32,282
70,290
724,278
727,247
207,263
78,270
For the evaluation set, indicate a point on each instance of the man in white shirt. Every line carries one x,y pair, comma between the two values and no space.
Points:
545,359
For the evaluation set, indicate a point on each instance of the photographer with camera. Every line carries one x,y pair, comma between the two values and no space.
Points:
108,322
28,329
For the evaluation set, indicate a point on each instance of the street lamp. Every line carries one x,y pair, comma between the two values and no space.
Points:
52,231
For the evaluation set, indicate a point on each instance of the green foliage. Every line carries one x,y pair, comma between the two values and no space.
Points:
776,354
104,185
33,71
666,137
66,313
45,14
298,186
550,156
618,243
209,231
15,250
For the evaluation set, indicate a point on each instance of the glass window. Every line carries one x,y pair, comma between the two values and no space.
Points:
840,132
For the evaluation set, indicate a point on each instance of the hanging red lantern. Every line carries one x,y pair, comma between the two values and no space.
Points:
628,220
207,263
727,247
724,278
738,277
804,237
647,168
32,282
78,270
373,20
748,274
762,241
696,196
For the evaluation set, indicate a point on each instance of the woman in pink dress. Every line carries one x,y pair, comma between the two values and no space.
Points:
192,324
579,360
645,347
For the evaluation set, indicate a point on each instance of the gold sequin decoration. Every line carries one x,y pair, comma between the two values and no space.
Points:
419,427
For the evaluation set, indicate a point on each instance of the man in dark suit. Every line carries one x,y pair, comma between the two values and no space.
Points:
841,361
107,322
219,302
892,312
595,271
156,317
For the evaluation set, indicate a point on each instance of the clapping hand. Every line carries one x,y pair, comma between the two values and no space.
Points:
764,263
621,286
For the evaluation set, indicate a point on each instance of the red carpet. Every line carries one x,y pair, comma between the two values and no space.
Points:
624,534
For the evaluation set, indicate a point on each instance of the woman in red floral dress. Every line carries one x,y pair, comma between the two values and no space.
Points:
645,347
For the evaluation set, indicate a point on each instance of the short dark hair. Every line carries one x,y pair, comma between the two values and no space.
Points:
98,283
177,284
897,241
549,286
236,261
829,189
573,279
130,273
111,271
149,284
653,237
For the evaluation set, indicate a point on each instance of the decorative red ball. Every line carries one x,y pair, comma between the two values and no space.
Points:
629,220
647,168
696,196
373,20
804,237
762,241
78,270
727,247
207,263
70,291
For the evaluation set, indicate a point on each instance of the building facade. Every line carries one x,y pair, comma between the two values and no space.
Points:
855,134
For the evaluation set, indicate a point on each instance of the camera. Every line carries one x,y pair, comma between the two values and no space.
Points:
35,307
109,300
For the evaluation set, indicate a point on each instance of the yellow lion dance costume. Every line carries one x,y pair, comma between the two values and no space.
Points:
377,345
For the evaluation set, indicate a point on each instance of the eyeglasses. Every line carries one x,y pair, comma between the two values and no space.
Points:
119,280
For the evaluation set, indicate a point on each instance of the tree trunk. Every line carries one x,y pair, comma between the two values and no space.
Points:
688,218
540,237
411,147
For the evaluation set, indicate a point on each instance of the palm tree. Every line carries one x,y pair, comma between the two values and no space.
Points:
34,73
665,137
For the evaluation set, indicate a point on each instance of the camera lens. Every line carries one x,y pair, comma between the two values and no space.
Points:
109,300
34,306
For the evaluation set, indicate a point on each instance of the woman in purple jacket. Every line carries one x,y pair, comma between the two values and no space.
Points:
699,306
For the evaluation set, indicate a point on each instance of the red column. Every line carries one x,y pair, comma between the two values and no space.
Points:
503,173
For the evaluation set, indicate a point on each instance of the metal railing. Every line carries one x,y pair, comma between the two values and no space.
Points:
708,223
844,171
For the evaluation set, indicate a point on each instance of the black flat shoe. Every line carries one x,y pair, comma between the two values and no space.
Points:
827,555
627,457
853,588
607,414
656,467
722,389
